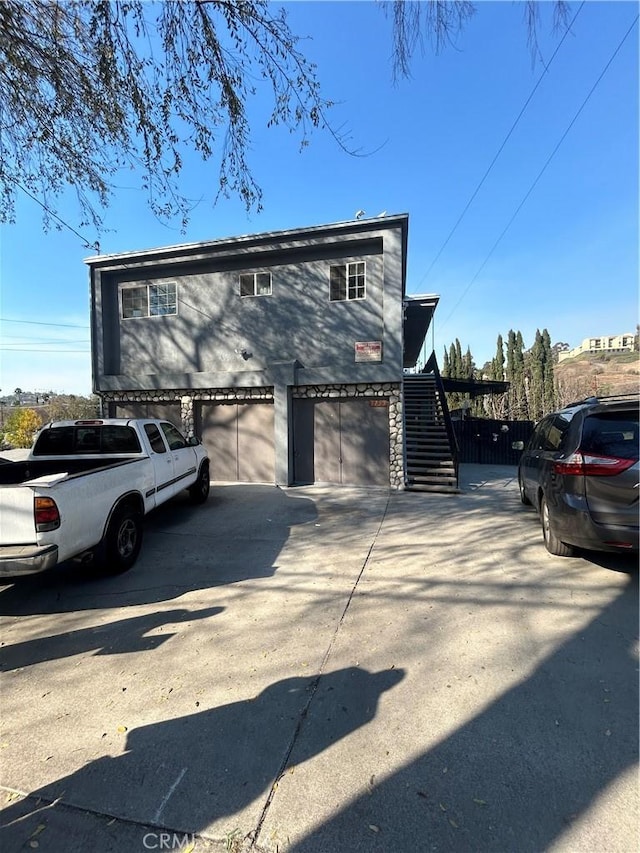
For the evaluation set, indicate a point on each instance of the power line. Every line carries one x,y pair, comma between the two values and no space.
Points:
540,173
39,323
87,245
50,351
499,151
21,340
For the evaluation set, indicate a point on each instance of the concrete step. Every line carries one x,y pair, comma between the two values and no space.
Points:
436,457
436,466
427,487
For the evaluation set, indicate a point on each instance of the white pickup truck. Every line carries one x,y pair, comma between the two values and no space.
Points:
85,487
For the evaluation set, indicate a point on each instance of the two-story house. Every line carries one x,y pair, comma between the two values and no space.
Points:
283,351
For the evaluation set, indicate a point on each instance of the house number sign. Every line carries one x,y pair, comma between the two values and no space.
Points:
368,351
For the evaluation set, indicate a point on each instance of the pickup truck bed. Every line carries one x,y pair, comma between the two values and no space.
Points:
15,473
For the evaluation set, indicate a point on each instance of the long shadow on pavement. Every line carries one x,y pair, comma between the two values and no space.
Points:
237,535
188,772
526,769
120,637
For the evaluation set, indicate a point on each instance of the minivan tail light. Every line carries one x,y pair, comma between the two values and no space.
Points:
46,515
590,465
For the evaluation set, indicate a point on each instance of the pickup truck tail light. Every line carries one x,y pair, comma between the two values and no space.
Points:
46,514
590,465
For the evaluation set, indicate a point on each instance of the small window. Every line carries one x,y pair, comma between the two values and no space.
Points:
557,429
537,441
175,440
149,300
347,282
155,439
119,439
255,284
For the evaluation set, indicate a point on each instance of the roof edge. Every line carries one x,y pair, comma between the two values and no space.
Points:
168,252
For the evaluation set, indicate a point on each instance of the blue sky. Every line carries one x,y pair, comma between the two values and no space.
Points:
568,261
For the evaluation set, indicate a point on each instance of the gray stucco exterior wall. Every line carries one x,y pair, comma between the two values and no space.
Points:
295,336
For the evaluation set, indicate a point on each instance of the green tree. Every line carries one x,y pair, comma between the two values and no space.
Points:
21,427
536,378
495,405
445,363
549,388
63,407
498,361
468,365
515,375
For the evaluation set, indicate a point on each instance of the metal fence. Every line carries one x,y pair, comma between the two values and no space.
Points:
485,441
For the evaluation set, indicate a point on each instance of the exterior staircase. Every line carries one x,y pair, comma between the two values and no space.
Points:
431,458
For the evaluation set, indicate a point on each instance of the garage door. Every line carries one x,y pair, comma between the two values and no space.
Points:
341,441
164,411
239,439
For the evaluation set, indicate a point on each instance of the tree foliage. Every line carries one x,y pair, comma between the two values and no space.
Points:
62,407
91,88
21,427
532,389
439,22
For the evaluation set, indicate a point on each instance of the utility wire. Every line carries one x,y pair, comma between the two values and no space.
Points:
499,151
50,351
87,244
541,172
39,323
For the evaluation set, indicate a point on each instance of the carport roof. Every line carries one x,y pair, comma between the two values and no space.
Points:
418,313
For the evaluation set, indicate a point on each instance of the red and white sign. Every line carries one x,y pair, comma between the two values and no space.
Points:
368,350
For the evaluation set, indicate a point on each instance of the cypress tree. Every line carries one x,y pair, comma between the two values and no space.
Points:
467,365
521,409
549,390
535,375
445,363
498,361
510,374
459,374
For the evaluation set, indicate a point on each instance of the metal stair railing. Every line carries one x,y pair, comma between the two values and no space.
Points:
432,367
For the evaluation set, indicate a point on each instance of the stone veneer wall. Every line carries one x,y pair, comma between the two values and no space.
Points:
186,397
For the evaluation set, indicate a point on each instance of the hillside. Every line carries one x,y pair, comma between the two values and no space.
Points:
597,375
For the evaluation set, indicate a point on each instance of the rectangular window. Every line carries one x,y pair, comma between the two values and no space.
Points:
155,439
175,439
255,284
149,300
347,282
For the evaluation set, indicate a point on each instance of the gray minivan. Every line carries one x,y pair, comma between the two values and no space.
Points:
580,471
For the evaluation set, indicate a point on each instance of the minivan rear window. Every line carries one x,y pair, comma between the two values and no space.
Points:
611,435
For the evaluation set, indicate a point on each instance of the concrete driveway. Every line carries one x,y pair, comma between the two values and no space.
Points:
326,669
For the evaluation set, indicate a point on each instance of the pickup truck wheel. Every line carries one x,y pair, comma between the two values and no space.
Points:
123,540
199,492
552,543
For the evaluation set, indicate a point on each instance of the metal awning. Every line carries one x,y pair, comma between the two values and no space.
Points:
418,313
475,387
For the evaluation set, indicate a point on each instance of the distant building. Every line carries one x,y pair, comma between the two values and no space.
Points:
604,344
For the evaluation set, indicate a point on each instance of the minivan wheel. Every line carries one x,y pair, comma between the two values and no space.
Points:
552,543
